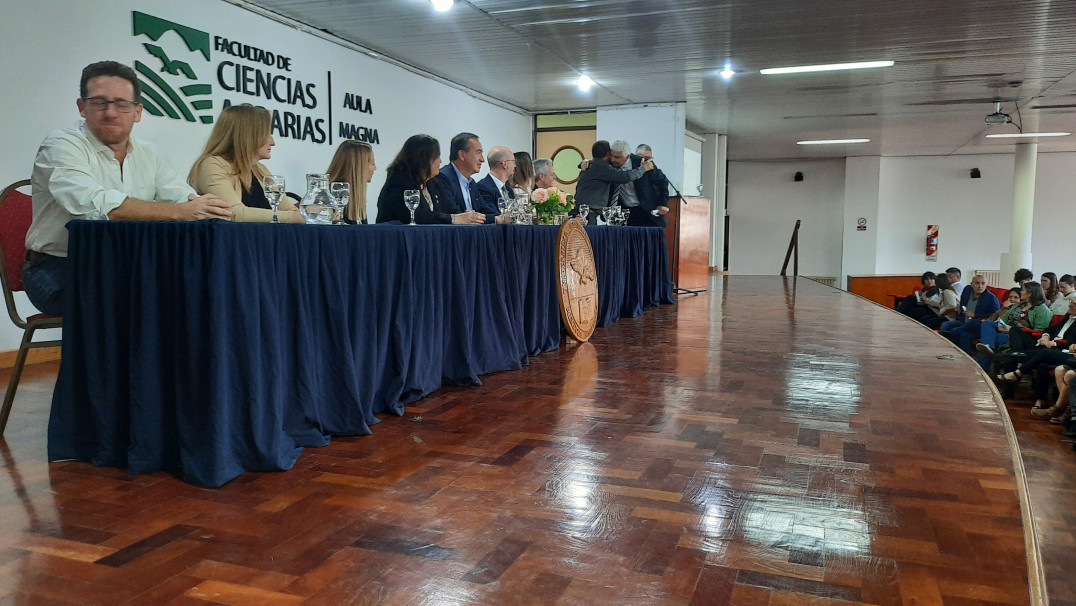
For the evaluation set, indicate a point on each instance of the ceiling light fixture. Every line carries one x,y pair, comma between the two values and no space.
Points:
770,71
584,83
832,141
1025,135
727,73
442,5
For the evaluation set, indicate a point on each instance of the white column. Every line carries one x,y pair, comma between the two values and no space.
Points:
714,181
1023,210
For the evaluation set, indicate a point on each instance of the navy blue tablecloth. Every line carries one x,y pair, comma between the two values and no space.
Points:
216,348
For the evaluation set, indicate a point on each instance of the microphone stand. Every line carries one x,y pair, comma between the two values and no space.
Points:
677,291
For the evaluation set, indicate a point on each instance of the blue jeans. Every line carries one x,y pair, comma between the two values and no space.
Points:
972,330
989,335
44,278
952,329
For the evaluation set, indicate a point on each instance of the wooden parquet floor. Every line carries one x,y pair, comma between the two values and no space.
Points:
758,444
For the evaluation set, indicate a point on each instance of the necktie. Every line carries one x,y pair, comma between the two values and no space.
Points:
616,196
507,192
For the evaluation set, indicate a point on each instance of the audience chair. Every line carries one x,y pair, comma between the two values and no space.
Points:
15,216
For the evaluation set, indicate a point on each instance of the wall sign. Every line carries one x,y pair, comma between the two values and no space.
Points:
179,74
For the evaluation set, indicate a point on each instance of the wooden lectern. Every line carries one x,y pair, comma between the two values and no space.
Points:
687,235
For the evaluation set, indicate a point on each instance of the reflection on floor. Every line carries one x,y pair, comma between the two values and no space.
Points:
759,444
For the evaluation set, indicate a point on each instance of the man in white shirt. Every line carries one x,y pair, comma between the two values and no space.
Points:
96,171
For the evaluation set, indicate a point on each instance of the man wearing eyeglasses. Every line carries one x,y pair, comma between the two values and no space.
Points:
502,165
96,171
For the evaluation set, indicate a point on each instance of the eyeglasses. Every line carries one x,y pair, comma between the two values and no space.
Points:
98,104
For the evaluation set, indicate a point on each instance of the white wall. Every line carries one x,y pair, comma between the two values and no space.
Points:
692,166
42,85
973,215
659,125
899,197
861,177
763,205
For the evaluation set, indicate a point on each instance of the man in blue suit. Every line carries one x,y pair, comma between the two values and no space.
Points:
502,165
976,303
457,186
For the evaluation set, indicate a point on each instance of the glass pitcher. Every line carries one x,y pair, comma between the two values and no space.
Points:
317,205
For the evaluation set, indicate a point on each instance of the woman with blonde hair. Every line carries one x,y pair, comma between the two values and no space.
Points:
523,178
230,166
353,163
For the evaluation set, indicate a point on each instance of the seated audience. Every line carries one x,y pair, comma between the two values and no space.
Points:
994,330
523,178
1066,288
353,163
97,171
1047,354
1062,377
494,186
1023,276
949,302
1048,280
544,175
977,304
954,280
916,305
230,166
414,167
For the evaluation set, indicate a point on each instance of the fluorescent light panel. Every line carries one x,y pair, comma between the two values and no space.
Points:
770,71
1026,135
832,141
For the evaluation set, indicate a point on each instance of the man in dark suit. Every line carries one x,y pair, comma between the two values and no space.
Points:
502,164
599,176
459,190
652,192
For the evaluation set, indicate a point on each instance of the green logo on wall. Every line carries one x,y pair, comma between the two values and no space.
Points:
168,90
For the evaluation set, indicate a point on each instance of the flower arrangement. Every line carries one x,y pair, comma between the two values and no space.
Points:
548,202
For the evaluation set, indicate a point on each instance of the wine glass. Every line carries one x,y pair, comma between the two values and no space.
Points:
273,185
341,192
411,197
584,213
502,205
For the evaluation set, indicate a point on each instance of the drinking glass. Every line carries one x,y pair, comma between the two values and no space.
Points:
341,192
584,213
411,197
502,205
607,215
273,185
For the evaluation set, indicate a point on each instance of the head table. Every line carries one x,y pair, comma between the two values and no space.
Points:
213,348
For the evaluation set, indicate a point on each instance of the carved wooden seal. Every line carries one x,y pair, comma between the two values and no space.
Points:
578,280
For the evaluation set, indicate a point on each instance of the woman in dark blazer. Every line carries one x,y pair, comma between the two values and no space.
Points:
414,168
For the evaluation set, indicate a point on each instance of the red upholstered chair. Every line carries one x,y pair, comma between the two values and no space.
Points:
1000,293
15,216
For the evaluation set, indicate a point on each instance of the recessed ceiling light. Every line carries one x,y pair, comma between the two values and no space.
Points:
769,71
832,141
442,5
1023,135
584,83
727,73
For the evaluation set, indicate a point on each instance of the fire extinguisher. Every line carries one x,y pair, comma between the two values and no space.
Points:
932,242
